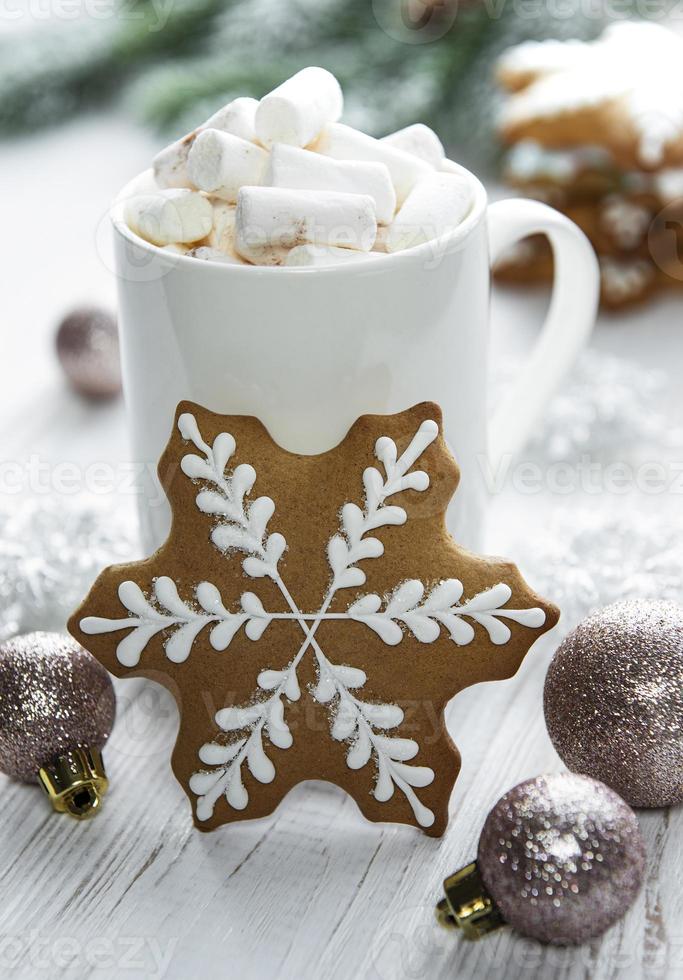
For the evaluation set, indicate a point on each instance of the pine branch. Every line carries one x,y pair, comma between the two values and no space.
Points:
56,70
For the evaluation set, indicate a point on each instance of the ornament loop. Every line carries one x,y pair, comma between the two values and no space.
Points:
75,782
467,904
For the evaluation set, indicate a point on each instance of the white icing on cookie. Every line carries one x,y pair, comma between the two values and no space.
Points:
669,185
625,221
633,64
528,161
531,58
624,281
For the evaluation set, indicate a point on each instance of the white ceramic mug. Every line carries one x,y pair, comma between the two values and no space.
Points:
309,350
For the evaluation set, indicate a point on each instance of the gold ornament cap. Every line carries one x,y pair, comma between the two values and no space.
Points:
75,782
467,905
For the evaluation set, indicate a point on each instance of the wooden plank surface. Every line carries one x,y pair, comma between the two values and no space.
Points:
313,891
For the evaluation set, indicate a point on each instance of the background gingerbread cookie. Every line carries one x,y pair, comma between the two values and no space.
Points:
620,92
595,130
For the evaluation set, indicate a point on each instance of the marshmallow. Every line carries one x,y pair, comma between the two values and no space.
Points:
237,118
209,254
381,240
175,249
321,255
345,143
169,217
296,111
222,235
170,164
271,220
221,163
419,140
299,169
436,205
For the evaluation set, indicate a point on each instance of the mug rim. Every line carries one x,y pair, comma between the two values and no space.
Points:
449,240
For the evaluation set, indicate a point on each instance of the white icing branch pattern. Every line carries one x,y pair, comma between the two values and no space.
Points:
240,525
267,715
442,608
242,528
170,614
360,723
345,550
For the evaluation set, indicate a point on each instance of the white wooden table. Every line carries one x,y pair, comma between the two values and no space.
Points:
313,891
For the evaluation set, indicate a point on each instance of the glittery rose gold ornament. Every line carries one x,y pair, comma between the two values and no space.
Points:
57,708
561,858
613,700
88,350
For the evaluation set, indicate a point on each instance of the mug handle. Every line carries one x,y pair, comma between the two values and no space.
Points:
570,319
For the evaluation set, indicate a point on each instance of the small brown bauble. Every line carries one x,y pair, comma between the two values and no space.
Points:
88,349
562,857
54,698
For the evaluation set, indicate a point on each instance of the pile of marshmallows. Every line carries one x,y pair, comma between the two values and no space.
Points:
282,182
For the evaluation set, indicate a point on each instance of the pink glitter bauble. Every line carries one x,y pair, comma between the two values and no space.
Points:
562,857
613,700
54,697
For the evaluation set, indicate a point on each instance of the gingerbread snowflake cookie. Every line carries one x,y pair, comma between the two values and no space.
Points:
312,616
621,92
